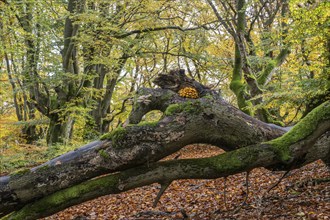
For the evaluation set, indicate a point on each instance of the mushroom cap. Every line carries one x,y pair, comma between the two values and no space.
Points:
189,92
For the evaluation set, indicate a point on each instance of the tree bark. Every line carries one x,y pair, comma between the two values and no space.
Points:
61,126
59,129
131,152
247,83
25,77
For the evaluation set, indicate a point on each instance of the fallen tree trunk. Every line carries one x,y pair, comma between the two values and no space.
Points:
294,149
207,119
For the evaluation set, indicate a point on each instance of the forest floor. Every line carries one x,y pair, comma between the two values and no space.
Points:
302,194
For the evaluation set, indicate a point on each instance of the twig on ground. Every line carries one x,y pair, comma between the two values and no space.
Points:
164,186
151,212
246,193
224,192
273,186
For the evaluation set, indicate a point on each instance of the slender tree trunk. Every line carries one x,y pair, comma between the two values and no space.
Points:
238,84
59,130
25,111
53,132
30,130
103,108
60,127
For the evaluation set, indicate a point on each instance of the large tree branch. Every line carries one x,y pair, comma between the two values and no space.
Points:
287,152
205,120
146,30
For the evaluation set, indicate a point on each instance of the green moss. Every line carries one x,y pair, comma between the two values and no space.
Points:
167,96
236,86
236,160
267,117
171,109
104,154
269,68
231,161
20,172
45,167
105,136
239,88
208,96
188,107
300,131
146,123
98,186
115,134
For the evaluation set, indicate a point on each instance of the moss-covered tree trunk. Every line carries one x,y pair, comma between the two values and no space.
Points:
248,81
129,155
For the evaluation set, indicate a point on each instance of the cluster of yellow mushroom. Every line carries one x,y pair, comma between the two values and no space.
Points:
188,92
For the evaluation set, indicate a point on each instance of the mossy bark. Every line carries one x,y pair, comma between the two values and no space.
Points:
238,85
271,66
295,144
186,121
208,119
247,83
314,124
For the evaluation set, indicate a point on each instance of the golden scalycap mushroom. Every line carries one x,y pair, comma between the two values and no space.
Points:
188,92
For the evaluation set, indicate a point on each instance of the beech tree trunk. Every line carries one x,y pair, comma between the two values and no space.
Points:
129,154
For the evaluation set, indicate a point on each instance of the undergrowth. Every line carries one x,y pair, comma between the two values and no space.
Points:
14,157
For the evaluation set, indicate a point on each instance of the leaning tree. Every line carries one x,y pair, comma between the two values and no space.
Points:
129,156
